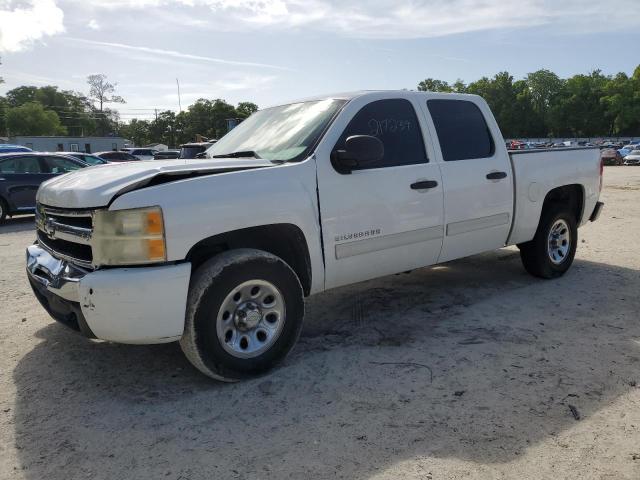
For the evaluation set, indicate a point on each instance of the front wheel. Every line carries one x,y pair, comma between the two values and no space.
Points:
244,314
552,250
4,210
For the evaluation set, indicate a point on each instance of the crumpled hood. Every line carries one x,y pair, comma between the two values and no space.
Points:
96,186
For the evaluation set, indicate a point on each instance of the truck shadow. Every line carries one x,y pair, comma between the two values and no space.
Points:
22,223
472,360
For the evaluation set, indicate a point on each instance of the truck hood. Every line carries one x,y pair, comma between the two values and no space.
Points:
96,186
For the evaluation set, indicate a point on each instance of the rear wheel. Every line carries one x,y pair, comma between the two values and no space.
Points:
552,250
244,314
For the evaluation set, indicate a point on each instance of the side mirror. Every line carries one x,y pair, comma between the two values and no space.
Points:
201,155
359,151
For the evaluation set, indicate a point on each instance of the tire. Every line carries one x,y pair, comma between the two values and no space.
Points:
232,335
544,259
4,210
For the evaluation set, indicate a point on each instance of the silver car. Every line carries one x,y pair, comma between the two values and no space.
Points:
633,158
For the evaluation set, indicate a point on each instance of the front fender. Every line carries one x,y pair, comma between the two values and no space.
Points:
202,207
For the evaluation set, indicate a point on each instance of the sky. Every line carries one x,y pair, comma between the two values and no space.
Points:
275,51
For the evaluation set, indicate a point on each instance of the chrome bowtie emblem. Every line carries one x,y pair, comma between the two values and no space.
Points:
49,228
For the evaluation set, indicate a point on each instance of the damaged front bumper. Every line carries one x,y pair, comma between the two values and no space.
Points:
126,305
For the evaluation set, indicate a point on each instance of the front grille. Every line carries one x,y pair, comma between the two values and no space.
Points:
66,233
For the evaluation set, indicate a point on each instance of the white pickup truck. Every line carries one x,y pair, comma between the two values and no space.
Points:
219,253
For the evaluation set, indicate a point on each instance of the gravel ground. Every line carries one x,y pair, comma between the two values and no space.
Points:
472,369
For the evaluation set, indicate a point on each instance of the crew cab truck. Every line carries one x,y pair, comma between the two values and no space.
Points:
219,253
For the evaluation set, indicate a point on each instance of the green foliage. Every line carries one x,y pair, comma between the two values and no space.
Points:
205,117
543,104
433,85
32,119
244,109
74,110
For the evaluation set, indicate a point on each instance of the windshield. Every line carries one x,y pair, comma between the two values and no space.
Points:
92,160
279,133
191,152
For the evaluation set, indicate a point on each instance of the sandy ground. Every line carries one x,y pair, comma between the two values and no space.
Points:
472,369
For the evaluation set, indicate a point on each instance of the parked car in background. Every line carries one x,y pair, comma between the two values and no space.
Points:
624,151
191,150
141,153
87,158
114,156
610,156
633,158
9,148
166,154
21,174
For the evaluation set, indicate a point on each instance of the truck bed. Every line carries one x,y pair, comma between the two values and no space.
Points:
536,172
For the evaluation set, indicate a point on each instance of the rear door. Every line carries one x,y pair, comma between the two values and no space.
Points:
21,176
376,220
476,172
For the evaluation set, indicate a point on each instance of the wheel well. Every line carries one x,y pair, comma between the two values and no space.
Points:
569,195
5,204
283,240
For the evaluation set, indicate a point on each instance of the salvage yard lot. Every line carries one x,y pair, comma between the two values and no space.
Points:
472,369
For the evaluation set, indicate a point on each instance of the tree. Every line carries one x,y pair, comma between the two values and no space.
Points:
21,95
459,86
32,119
545,88
102,91
136,131
4,105
622,104
163,128
208,118
579,112
245,109
74,110
433,85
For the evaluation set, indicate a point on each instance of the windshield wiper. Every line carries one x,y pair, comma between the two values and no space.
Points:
242,154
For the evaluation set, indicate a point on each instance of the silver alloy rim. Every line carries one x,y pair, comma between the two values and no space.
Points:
559,242
251,318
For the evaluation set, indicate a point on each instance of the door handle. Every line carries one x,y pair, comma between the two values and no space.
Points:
424,185
496,175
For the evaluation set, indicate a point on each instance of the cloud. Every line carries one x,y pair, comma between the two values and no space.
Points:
171,53
392,19
31,20
21,26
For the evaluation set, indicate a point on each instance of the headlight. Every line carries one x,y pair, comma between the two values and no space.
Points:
128,237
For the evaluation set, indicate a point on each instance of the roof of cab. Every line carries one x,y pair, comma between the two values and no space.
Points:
362,93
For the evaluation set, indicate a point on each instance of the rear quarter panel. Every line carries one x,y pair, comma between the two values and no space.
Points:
536,173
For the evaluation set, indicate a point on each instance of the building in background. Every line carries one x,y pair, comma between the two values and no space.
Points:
69,144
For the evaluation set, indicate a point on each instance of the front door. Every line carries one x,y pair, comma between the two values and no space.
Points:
476,172
379,219
22,176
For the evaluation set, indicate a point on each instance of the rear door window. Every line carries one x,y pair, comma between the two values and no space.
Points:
395,123
61,165
462,130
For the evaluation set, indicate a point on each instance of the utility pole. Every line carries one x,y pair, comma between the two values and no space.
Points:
156,110
179,100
